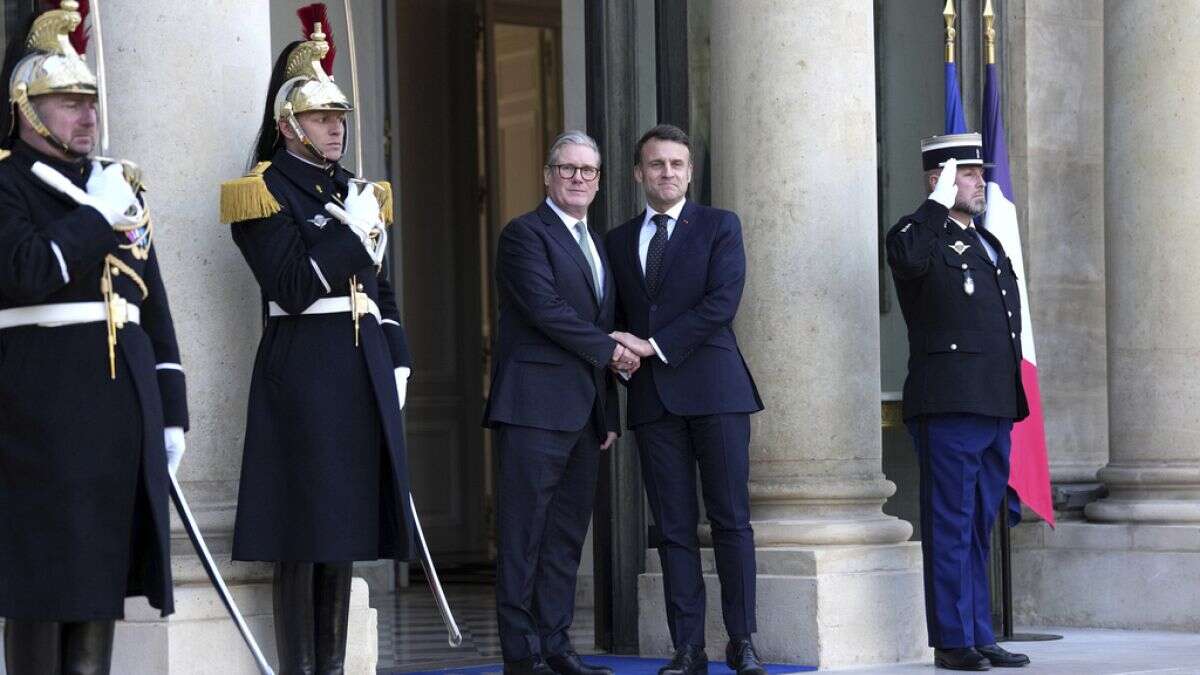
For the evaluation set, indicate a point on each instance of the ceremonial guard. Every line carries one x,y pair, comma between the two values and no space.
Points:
324,471
959,295
92,402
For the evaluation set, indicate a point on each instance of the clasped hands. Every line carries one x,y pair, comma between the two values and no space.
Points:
628,355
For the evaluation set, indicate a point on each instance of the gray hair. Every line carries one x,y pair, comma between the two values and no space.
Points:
571,138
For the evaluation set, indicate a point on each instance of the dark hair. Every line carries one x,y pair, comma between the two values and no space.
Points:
12,56
662,132
269,139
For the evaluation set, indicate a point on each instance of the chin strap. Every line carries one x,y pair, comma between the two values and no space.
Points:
23,104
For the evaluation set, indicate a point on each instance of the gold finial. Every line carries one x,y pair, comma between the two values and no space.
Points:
317,35
989,32
69,6
948,14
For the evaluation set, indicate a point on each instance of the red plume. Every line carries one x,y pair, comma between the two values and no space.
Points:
310,15
79,36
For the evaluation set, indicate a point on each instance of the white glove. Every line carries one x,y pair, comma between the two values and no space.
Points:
107,191
361,214
946,189
173,437
402,384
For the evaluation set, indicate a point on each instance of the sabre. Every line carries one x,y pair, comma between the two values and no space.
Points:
101,79
210,566
354,99
455,636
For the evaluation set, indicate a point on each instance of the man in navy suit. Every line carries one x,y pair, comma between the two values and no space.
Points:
553,405
680,268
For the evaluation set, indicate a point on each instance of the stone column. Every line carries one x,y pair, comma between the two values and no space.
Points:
793,153
186,88
1141,545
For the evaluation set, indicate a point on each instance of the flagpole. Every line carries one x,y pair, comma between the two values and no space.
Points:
1006,580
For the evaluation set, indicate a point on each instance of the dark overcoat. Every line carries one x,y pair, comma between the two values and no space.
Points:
84,491
324,468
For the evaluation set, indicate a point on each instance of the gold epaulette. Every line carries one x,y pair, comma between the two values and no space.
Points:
247,197
384,188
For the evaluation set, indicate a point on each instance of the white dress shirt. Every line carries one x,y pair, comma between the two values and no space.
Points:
644,237
569,221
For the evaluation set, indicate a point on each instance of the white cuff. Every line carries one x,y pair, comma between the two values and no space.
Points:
62,264
658,351
169,366
320,275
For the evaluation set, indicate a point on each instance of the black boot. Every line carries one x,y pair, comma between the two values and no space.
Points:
32,647
87,647
332,584
294,622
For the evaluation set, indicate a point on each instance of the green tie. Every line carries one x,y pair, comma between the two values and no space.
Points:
581,236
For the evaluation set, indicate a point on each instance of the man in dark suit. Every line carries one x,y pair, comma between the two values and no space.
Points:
553,405
680,268
961,302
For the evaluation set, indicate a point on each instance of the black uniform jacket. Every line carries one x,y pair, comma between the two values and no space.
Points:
964,348
84,518
552,348
324,470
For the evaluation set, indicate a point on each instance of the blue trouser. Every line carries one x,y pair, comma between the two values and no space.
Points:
544,498
671,449
964,473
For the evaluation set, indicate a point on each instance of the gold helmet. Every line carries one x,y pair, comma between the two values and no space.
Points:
307,86
53,66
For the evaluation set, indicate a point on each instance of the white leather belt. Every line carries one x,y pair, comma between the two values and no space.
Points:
331,306
66,314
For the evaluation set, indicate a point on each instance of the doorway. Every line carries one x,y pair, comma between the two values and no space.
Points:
478,99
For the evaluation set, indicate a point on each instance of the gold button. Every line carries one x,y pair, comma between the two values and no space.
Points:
319,189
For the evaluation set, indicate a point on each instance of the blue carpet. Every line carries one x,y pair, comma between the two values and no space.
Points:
630,665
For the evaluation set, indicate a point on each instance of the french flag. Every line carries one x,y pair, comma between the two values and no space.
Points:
1029,475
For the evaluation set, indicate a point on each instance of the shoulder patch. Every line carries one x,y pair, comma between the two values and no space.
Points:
247,197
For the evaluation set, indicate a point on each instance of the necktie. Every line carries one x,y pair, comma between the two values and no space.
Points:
581,236
654,255
979,238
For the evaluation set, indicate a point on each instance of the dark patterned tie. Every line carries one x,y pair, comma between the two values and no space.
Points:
654,255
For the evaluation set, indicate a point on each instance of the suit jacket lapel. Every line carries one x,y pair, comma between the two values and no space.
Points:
560,234
634,244
684,227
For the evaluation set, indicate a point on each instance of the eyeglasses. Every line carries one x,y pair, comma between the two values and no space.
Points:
567,171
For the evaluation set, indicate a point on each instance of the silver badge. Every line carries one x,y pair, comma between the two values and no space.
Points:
905,228
959,247
319,220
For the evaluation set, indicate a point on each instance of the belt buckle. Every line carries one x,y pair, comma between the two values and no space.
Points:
118,311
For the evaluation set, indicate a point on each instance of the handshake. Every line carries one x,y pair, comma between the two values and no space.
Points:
628,355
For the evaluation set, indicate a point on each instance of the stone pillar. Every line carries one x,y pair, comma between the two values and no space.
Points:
1141,545
1053,59
793,153
186,88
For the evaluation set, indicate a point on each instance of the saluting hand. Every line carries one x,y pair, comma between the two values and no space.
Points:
945,191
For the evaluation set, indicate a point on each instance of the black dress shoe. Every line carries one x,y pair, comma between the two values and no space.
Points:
689,660
1002,658
569,663
533,665
960,658
742,659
